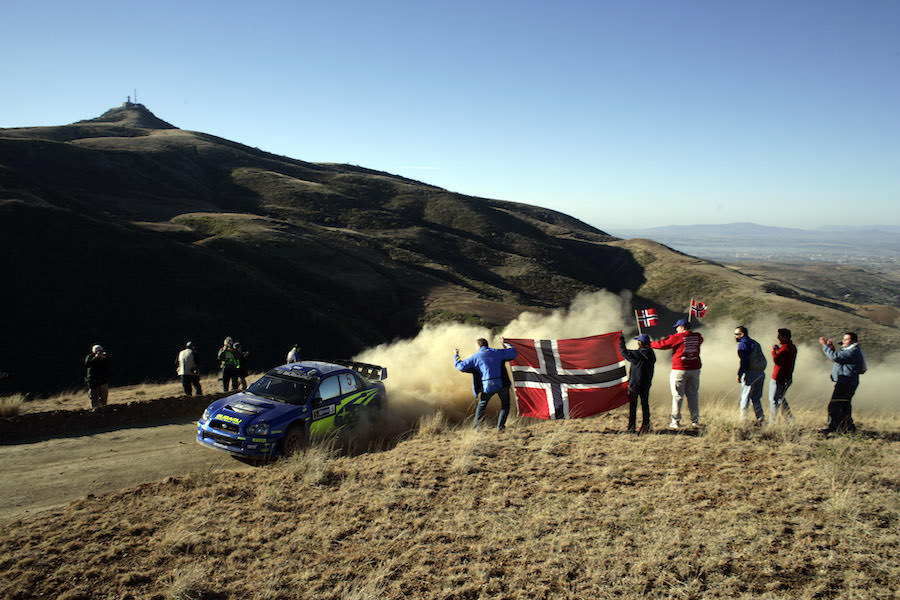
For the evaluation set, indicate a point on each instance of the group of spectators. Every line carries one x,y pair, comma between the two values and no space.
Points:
232,363
848,364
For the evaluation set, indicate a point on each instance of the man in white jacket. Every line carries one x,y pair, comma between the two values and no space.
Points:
189,370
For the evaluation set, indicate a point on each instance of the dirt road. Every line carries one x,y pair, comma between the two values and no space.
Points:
38,476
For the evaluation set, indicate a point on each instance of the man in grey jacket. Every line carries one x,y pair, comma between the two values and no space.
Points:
849,364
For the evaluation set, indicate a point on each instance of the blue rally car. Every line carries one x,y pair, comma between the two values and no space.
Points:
290,403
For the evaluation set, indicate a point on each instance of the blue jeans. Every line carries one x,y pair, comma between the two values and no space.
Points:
751,393
504,407
778,401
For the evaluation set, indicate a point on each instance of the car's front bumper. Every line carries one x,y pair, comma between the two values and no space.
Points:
233,443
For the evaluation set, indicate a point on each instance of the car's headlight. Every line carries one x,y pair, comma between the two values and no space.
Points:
258,429
206,415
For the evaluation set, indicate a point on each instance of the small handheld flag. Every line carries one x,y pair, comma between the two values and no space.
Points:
646,317
698,309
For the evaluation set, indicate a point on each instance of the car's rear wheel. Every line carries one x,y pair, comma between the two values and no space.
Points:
294,440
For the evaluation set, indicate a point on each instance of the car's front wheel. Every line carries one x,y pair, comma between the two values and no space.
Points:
294,440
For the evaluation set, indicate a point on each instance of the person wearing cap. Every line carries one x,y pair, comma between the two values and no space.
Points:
229,363
97,376
640,377
189,370
293,354
685,376
784,356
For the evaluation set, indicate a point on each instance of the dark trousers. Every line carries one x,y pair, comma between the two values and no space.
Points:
189,382
229,378
482,405
644,397
840,418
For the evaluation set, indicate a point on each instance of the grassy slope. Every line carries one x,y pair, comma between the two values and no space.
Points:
548,510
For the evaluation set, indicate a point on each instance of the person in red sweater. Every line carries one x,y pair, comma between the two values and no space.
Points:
685,377
784,355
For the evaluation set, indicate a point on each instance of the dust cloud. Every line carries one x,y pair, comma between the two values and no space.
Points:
422,378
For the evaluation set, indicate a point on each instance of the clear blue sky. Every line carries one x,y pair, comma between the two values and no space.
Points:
637,113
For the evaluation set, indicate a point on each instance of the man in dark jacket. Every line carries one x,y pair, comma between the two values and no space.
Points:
751,373
640,377
97,376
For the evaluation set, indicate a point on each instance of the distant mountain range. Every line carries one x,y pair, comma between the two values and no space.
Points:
877,244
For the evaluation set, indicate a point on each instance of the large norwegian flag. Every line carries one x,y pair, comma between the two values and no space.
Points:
569,379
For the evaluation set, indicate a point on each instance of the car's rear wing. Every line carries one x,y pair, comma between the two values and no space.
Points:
365,369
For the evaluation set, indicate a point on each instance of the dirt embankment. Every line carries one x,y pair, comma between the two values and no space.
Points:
60,423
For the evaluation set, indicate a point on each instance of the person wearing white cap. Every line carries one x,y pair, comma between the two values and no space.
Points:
189,370
97,376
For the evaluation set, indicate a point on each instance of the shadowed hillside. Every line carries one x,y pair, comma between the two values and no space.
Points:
132,233
126,231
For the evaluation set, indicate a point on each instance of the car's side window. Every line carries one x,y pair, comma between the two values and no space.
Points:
349,383
329,389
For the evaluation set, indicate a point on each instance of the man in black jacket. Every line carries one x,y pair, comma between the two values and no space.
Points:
640,377
97,376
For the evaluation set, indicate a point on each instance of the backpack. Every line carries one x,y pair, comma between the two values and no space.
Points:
757,360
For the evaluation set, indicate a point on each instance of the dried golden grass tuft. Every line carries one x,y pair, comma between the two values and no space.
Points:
11,405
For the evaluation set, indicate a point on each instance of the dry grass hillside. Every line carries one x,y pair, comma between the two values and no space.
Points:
547,510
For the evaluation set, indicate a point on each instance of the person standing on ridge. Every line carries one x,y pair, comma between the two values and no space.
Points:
640,377
242,356
784,357
97,376
488,369
751,373
229,363
849,364
293,354
685,377
189,370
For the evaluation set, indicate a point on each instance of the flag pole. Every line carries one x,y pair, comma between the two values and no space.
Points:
691,310
638,321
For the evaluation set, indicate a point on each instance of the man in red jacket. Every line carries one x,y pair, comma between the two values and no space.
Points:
685,377
784,355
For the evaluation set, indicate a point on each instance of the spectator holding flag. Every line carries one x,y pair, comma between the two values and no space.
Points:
685,377
751,373
488,369
640,377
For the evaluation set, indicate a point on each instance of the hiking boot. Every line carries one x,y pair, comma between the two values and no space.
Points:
645,429
673,425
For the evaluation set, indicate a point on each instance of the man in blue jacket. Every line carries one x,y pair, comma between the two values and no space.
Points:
751,373
489,377
849,364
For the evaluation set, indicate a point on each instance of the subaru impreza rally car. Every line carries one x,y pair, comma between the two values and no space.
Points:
290,403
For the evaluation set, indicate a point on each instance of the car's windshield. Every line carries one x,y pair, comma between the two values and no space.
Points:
292,391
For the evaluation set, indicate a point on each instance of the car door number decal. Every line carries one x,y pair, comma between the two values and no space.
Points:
325,411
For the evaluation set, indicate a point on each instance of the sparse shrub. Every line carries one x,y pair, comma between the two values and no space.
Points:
189,583
433,424
11,405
